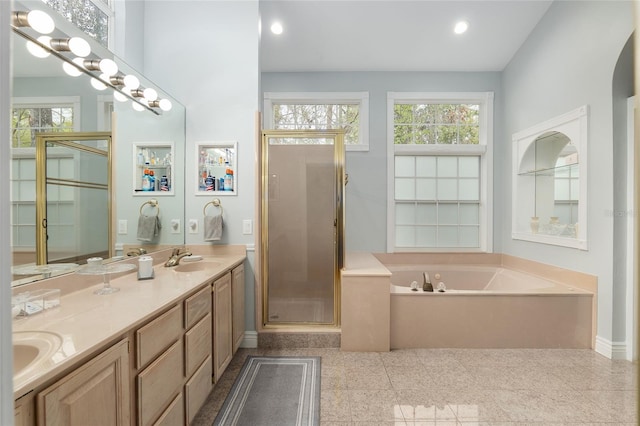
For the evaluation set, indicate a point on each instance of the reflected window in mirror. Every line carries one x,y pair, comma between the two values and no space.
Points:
49,114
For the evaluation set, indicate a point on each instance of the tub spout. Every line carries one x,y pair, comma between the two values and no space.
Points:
426,283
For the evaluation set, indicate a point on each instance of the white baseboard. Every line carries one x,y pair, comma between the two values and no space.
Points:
250,340
612,350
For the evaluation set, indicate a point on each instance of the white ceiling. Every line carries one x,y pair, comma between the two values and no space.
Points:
394,35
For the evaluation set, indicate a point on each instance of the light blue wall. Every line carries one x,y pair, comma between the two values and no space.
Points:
366,198
568,61
205,54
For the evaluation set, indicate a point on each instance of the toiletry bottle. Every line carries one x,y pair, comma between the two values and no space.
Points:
140,159
152,181
145,180
209,183
164,183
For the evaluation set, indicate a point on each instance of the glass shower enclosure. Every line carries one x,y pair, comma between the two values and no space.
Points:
302,241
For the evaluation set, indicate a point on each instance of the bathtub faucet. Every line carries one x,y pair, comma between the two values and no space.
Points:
426,283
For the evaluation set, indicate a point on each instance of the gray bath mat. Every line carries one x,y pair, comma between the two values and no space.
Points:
274,390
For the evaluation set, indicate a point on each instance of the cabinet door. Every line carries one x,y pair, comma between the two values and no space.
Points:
95,394
159,383
237,294
222,339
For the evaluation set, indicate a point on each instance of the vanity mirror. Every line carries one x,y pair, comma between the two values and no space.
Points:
46,99
550,181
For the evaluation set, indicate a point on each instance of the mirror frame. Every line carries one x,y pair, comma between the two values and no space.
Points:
574,124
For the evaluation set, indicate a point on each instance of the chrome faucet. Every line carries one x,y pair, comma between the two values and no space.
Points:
137,252
175,258
426,283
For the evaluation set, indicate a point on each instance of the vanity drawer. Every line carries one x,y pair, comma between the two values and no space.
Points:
197,306
197,342
174,414
197,388
158,335
159,383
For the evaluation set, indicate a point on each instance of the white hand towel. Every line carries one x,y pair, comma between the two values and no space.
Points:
148,227
213,228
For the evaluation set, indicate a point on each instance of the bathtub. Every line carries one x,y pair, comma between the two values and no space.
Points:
486,306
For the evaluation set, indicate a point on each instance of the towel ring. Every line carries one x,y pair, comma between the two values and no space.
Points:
216,202
152,203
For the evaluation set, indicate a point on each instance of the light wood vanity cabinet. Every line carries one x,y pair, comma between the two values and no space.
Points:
222,325
96,393
159,374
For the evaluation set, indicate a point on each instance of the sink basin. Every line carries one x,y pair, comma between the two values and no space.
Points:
200,265
31,348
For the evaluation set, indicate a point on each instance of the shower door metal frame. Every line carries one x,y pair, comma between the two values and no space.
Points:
68,140
339,220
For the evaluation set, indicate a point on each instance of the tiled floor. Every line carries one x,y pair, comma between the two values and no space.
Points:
461,387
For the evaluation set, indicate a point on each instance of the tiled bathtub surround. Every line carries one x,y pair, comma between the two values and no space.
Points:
294,340
461,387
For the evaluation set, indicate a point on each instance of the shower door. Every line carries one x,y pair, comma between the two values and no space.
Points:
302,226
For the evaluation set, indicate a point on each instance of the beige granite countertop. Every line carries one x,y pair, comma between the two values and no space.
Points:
87,322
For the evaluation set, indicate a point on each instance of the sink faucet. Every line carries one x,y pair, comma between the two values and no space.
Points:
137,252
175,258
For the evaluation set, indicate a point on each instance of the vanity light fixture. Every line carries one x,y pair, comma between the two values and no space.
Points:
461,27
36,19
150,94
137,106
119,96
73,71
163,104
76,45
39,51
117,80
137,93
97,84
108,66
131,82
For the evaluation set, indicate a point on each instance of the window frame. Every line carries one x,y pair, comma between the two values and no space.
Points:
310,98
484,150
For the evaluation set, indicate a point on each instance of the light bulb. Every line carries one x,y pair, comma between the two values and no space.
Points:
276,28
119,96
461,27
108,67
40,22
150,94
97,84
165,104
131,82
137,106
38,51
70,69
79,47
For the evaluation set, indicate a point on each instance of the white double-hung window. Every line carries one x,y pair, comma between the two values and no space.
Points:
439,171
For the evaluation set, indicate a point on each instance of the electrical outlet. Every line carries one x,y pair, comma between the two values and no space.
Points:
122,226
247,227
175,226
193,226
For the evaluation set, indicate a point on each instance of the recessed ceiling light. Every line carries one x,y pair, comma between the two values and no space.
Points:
461,27
276,28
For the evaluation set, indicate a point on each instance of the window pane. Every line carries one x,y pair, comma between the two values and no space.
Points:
469,236
426,236
425,166
405,236
421,123
469,166
405,166
469,189
448,214
447,236
447,189
469,214
426,214
425,189
447,166
405,214
85,15
405,189
319,116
